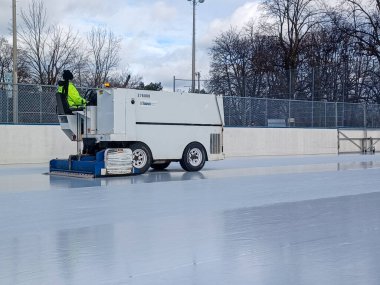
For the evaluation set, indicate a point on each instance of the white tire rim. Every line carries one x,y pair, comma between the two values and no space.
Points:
139,158
195,157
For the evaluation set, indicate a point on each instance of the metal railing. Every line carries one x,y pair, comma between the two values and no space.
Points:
37,105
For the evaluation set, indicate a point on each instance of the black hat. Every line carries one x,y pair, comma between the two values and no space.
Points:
67,75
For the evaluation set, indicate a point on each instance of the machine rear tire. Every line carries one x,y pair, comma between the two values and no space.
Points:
141,157
160,166
194,157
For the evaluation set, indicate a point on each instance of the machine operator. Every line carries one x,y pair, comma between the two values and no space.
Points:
68,88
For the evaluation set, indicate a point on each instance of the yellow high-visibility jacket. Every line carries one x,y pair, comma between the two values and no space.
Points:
73,97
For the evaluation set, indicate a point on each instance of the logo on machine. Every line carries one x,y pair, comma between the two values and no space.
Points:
147,103
141,95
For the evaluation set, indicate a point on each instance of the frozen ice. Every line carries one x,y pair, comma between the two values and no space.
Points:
263,220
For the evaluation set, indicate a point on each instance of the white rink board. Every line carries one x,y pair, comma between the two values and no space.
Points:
40,143
279,141
33,144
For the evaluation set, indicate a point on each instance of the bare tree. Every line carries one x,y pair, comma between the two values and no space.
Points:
49,49
5,58
23,71
33,37
302,52
364,25
81,68
104,48
265,66
6,62
246,63
359,22
62,52
229,63
125,79
291,21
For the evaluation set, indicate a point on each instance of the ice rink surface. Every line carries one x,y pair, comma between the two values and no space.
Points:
279,220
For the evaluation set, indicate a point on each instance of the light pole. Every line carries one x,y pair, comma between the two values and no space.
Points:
14,73
194,2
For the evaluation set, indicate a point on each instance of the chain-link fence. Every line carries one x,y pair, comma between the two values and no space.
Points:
185,85
261,112
37,105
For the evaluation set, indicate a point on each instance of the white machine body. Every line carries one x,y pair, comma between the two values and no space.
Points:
166,122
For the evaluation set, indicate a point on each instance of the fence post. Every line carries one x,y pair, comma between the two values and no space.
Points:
290,83
365,115
245,86
174,83
1,108
6,98
312,98
15,103
266,112
41,107
250,113
336,114
229,112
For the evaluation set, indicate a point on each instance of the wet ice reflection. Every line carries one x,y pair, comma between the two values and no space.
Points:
150,177
303,223
326,241
179,175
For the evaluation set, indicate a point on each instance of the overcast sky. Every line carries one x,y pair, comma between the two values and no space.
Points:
156,35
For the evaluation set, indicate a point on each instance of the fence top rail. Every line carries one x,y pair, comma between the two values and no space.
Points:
43,85
226,96
303,101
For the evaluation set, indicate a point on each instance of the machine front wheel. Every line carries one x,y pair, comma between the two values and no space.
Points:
141,157
194,157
